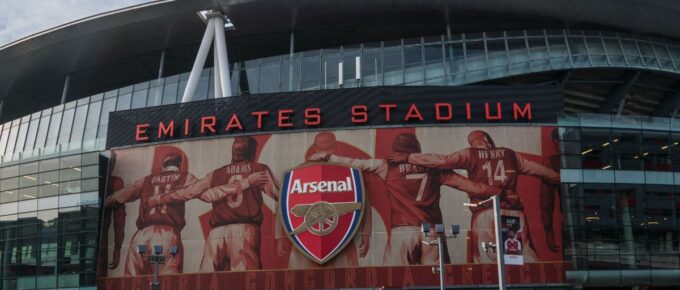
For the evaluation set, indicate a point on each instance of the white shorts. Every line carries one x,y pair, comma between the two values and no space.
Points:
405,247
234,247
164,235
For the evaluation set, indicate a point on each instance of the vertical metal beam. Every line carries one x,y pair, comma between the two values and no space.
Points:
222,55
199,62
217,76
290,60
585,45
161,66
618,96
500,251
566,42
604,47
563,78
64,92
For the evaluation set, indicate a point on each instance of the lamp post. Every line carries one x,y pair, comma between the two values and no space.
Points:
441,237
498,246
156,258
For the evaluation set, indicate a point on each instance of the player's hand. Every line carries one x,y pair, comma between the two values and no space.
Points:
154,201
116,259
109,202
321,156
364,245
258,178
281,247
512,200
398,157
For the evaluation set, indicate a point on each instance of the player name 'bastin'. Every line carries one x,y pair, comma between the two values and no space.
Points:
321,186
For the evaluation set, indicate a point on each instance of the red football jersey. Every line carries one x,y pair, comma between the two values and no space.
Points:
512,246
243,207
171,214
414,194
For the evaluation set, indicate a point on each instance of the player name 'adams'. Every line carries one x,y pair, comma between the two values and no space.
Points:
321,186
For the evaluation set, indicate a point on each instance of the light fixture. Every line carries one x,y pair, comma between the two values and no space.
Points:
141,249
587,151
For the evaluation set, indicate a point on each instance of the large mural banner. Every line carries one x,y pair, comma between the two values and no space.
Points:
333,209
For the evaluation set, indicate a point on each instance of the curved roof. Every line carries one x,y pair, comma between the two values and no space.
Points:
150,27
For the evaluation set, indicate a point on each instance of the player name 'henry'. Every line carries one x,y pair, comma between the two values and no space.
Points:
321,186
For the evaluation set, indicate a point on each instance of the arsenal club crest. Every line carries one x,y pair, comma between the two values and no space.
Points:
322,206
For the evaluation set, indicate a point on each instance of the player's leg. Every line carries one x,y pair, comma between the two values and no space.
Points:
170,237
215,252
483,229
528,252
403,247
429,255
547,198
297,260
135,264
244,247
347,258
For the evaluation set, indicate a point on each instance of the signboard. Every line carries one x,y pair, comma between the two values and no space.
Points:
347,108
287,211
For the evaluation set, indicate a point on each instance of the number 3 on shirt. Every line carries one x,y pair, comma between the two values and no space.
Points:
235,200
498,172
423,183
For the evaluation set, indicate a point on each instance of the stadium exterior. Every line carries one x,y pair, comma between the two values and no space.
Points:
609,72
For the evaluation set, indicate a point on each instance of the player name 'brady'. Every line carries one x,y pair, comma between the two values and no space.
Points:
321,186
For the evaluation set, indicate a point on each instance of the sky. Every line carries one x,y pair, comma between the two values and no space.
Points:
21,18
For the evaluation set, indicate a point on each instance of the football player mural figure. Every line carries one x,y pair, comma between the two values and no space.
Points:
235,191
548,193
116,215
157,225
414,193
326,143
512,245
499,167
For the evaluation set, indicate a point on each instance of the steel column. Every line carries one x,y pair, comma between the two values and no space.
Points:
500,252
64,92
222,56
202,54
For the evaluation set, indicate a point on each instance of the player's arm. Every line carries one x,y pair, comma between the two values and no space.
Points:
126,194
377,166
473,188
529,167
455,160
218,193
192,188
366,229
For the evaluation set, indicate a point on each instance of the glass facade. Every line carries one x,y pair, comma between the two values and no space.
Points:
80,125
49,220
620,174
620,184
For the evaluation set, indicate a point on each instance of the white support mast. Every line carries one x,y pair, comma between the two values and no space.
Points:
216,23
